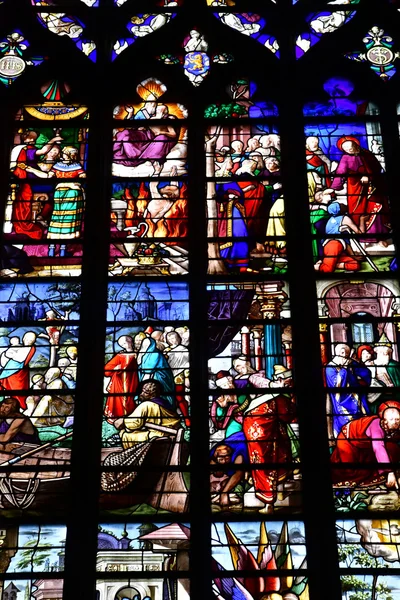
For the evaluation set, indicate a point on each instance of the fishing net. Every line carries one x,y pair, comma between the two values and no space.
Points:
112,481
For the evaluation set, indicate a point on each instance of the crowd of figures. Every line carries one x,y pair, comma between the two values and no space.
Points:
249,216
38,209
147,386
364,414
38,399
349,207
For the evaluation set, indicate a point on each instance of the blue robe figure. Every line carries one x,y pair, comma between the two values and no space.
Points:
232,227
238,443
11,367
347,406
155,366
68,382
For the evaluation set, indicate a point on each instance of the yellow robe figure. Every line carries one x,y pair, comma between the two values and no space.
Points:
276,223
147,412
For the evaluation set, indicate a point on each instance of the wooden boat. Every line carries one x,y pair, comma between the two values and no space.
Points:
22,488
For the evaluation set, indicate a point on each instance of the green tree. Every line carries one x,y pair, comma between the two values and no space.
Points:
34,554
353,555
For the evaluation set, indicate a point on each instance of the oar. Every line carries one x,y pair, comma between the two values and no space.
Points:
161,428
17,459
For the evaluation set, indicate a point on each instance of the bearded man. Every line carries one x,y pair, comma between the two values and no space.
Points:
361,172
152,418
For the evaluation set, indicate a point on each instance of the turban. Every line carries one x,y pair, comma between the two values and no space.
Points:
334,208
281,372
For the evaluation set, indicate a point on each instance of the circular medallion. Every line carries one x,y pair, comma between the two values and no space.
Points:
380,55
11,66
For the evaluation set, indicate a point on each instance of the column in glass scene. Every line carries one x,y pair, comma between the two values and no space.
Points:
254,436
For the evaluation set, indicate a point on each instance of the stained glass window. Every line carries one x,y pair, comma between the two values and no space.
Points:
199,300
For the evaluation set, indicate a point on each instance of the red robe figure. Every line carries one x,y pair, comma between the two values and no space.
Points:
370,443
362,172
265,429
256,208
22,156
14,370
123,371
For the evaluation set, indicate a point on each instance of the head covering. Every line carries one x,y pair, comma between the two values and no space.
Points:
52,374
232,192
388,404
334,208
221,375
140,336
282,372
347,138
384,341
364,347
72,350
222,154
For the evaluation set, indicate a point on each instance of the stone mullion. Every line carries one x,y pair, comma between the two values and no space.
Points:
81,544
322,560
